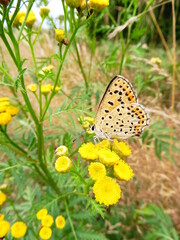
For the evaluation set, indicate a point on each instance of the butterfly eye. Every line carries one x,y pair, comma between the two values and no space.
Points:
92,128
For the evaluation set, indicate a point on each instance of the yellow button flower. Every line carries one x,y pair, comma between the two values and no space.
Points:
108,157
59,35
47,221
60,222
4,99
45,89
4,103
30,19
85,124
18,229
123,171
32,87
74,3
97,170
4,228
107,191
62,151
2,198
98,5
41,213
44,11
63,164
2,108
48,69
19,15
104,144
1,216
5,118
88,151
45,233
12,110
57,89
121,148
83,5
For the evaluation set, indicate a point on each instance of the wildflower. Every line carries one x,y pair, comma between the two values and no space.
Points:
47,221
104,144
73,3
2,108
156,60
5,118
62,151
85,124
122,148
123,171
32,87
19,15
83,5
4,99
82,119
108,157
1,217
60,222
44,11
4,103
48,69
45,89
98,5
63,164
45,233
12,110
57,89
107,191
97,170
2,196
30,19
59,35
4,228
88,151
18,229
41,213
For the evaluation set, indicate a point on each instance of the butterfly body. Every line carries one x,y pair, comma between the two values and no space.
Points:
119,114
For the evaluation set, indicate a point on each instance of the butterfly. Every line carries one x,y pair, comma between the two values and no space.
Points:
119,115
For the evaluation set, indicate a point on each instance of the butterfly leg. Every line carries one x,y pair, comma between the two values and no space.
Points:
96,140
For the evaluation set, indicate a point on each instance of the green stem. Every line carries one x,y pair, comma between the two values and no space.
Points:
65,17
38,31
32,50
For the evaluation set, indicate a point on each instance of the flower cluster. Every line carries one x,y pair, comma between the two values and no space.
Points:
156,60
86,123
63,164
7,111
96,5
106,189
47,221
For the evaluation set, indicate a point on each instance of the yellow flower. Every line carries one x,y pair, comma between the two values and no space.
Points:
2,108
4,99
88,151
104,144
74,3
59,35
47,221
2,196
45,89
85,124
98,5
48,69
19,15
32,87
44,11
121,147
63,164
62,151
18,229
156,60
12,110
108,157
97,170
60,222
4,103
4,228
30,19
45,233
83,5
82,119
123,171
57,89
41,213
1,216
107,191
5,118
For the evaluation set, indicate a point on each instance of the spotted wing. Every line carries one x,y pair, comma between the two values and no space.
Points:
118,93
125,121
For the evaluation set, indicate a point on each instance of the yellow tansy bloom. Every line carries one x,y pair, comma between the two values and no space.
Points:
83,5
1,216
82,119
60,222
123,171
4,99
88,151
30,19
47,221
57,89
4,228
19,15
5,103
5,118
156,60
97,170
45,89
44,11
98,5
85,124
41,213
121,147
74,3
2,198
48,69
107,191
18,229
2,108
104,144
32,87
12,110
62,151
45,233
63,164
59,35
108,157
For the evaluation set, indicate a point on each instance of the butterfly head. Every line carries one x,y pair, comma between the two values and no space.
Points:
92,127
